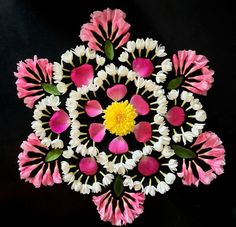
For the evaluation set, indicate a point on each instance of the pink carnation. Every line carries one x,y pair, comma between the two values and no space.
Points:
99,27
211,153
30,74
198,78
119,211
32,166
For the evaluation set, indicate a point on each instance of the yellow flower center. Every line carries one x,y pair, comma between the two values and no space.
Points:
119,118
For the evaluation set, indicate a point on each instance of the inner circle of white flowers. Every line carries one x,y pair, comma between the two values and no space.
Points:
114,73
41,110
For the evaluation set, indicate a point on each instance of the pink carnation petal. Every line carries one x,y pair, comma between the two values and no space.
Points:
59,121
143,131
117,92
82,75
118,146
143,67
141,106
148,166
88,166
97,132
93,108
176,116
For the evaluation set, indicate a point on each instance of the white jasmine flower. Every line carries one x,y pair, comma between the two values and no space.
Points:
186,96
110,167
150,85
93,151
107,179
160,51
85,189
140,82
111,69
163,187
131,46
166,65
81,149
187,136
37,114
140,44
136,155
150,44
130,164
195,104
75,95
76,185
158,146
147,150
150,189
52,101
65,167
57,71
173,94
46,142
122,71
79,50
100,60
102,158
91,54
124,56
69,177
177,137
172,164
36,124
137,185
40,132
68,153
197,129
200,115
120,168
158,119
170,178
67,57
128,182
160,77
57,143
98,81
96,187
167,152
131,75
62,87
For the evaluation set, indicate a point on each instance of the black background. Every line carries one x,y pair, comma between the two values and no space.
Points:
48,29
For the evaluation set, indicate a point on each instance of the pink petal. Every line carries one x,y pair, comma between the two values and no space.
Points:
97,132
175,63
82,75
124,40
88,166
59,121
118,146
56,174
143,131
117,92
47,177
205,177
176,116
37,179
141,106
143,67
93,108
148,166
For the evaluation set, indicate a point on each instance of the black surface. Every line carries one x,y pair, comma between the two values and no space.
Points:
48,29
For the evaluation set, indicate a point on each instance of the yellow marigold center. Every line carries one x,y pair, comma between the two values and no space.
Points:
119,118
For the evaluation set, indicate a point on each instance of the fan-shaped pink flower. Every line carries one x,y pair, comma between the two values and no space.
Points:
30,74
32,166
119,211
198,77
99,26
211,152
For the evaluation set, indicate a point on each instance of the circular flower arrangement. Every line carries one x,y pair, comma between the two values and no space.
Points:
116,121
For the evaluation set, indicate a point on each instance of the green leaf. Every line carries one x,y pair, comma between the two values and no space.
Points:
50,88
175,83
109,50
183,152
53,155
118,186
